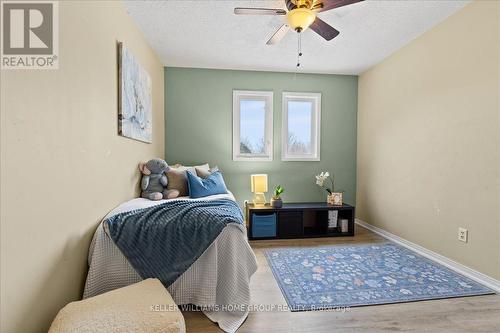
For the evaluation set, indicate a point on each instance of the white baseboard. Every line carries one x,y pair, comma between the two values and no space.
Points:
451,264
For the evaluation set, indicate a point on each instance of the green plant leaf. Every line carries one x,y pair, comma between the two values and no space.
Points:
278,191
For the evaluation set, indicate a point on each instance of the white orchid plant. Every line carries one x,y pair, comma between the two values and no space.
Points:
322,178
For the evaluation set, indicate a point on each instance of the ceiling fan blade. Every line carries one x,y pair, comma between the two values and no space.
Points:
278,35
324,29
290,4
259,11
331,4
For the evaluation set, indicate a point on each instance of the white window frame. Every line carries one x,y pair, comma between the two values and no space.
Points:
267,96
315,123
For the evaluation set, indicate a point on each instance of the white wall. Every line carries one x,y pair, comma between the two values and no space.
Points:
429,139
63,166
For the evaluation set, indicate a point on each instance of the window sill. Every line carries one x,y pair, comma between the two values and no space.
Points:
252,159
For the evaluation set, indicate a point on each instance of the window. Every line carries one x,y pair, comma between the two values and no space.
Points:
301,126
252,125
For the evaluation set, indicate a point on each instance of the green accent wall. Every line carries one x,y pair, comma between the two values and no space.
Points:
198,128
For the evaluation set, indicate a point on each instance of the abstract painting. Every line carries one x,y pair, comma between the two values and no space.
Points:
135,101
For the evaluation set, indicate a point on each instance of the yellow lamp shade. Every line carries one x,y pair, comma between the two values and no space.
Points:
300,18
259,183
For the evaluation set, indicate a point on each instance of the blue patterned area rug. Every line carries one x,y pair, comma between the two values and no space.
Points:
343,276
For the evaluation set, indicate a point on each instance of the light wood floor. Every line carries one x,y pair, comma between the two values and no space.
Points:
466,314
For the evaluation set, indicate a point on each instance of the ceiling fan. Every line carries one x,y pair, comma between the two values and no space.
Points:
300,15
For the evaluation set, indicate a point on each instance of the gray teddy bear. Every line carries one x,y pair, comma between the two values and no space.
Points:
154,180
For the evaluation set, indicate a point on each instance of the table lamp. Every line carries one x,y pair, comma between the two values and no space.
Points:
259,187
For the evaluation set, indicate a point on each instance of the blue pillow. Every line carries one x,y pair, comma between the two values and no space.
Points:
203,187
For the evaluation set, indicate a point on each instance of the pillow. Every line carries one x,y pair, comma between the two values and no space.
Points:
203,173
199,187
177,177
181,167
177,180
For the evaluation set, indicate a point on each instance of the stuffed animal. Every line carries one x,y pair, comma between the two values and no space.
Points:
154,181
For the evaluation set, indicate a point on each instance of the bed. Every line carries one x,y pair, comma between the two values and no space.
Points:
217,282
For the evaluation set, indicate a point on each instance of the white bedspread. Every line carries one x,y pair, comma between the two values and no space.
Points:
220,277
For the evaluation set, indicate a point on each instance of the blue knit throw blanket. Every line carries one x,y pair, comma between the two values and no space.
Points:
163,241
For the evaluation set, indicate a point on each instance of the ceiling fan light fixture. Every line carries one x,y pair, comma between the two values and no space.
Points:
299,19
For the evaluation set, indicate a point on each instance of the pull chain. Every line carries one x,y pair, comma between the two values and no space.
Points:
299,49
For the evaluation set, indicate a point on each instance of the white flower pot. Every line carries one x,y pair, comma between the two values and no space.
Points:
276,203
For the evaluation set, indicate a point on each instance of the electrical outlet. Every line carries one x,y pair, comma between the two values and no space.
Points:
462,234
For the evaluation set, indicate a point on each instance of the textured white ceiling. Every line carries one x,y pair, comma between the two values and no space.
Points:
206,34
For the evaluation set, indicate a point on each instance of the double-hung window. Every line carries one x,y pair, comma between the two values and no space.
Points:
301,126
252,125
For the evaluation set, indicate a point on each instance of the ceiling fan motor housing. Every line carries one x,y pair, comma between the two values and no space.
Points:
292,4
